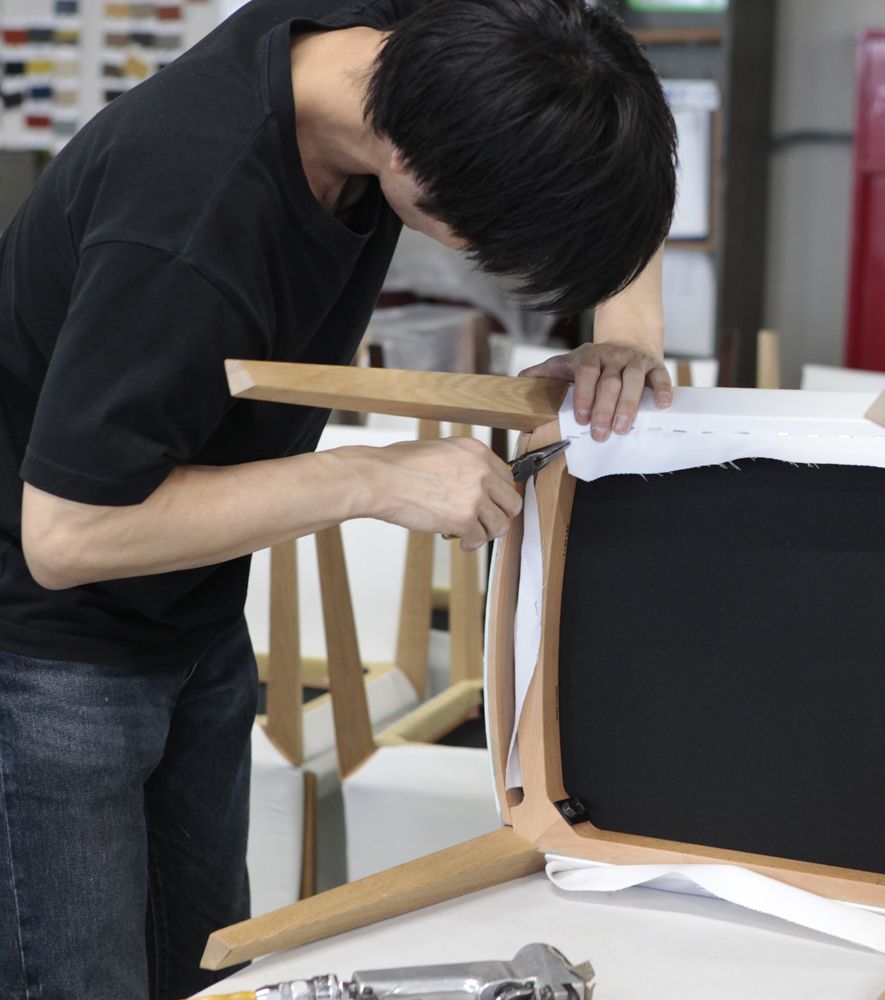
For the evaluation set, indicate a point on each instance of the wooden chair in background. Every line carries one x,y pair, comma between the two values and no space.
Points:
404,795
379,693
281,855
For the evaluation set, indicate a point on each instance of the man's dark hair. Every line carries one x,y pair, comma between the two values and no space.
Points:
540,135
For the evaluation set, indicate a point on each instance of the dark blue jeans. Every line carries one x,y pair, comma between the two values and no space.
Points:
124,800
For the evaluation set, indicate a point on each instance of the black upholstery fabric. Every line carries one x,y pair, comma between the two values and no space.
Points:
722,660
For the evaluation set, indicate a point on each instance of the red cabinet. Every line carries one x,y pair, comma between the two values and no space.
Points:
865,338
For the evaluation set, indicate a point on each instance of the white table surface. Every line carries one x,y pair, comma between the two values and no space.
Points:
644,944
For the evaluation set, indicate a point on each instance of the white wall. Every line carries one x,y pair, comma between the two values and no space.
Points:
810,192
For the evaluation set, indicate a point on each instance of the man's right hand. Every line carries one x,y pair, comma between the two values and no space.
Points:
456,486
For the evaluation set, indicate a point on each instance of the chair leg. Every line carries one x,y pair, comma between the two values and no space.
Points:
476,864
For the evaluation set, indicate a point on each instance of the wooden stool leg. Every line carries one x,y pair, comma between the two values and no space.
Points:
768,367
350,707
308,885
284,694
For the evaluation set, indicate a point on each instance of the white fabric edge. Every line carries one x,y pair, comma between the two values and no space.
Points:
860,925
715,426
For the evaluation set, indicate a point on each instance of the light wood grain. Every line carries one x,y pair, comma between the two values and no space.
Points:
503,589
768,362
350,707
437,716
487,400
308,885
679,36
314,672
539,751
465,605
587,841
476,864
683,373
876,412
413,636
284,691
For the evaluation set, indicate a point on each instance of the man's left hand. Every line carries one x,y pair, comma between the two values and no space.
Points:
609,379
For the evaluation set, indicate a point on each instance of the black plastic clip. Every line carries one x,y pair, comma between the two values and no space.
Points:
572,810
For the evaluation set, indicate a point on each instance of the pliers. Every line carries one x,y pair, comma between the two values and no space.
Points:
530,463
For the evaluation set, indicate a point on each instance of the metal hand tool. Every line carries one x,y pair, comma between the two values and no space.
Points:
538,972
531,463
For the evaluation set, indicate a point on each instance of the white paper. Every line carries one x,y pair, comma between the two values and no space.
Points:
732,883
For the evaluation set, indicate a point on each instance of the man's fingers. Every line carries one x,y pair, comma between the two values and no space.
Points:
586,386
608,380
608,390
632,384
658,379
558,366
491,522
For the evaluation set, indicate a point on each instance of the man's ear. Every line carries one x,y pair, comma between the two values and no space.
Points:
398,164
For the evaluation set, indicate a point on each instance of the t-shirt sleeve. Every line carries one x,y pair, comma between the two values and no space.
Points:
136,382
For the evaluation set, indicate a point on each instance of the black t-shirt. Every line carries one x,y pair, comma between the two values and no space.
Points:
175,230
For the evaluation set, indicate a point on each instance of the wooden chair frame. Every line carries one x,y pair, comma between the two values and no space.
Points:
533,824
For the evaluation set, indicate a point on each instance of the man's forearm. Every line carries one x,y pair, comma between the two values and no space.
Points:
635,316
201,515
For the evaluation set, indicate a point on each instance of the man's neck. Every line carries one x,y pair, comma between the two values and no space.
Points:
339,151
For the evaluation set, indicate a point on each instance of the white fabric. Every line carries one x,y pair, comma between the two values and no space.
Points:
737,885
408,801
527,623
714,426
276,826
828,378
644,945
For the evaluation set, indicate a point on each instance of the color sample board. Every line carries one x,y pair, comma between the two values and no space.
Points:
63,60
